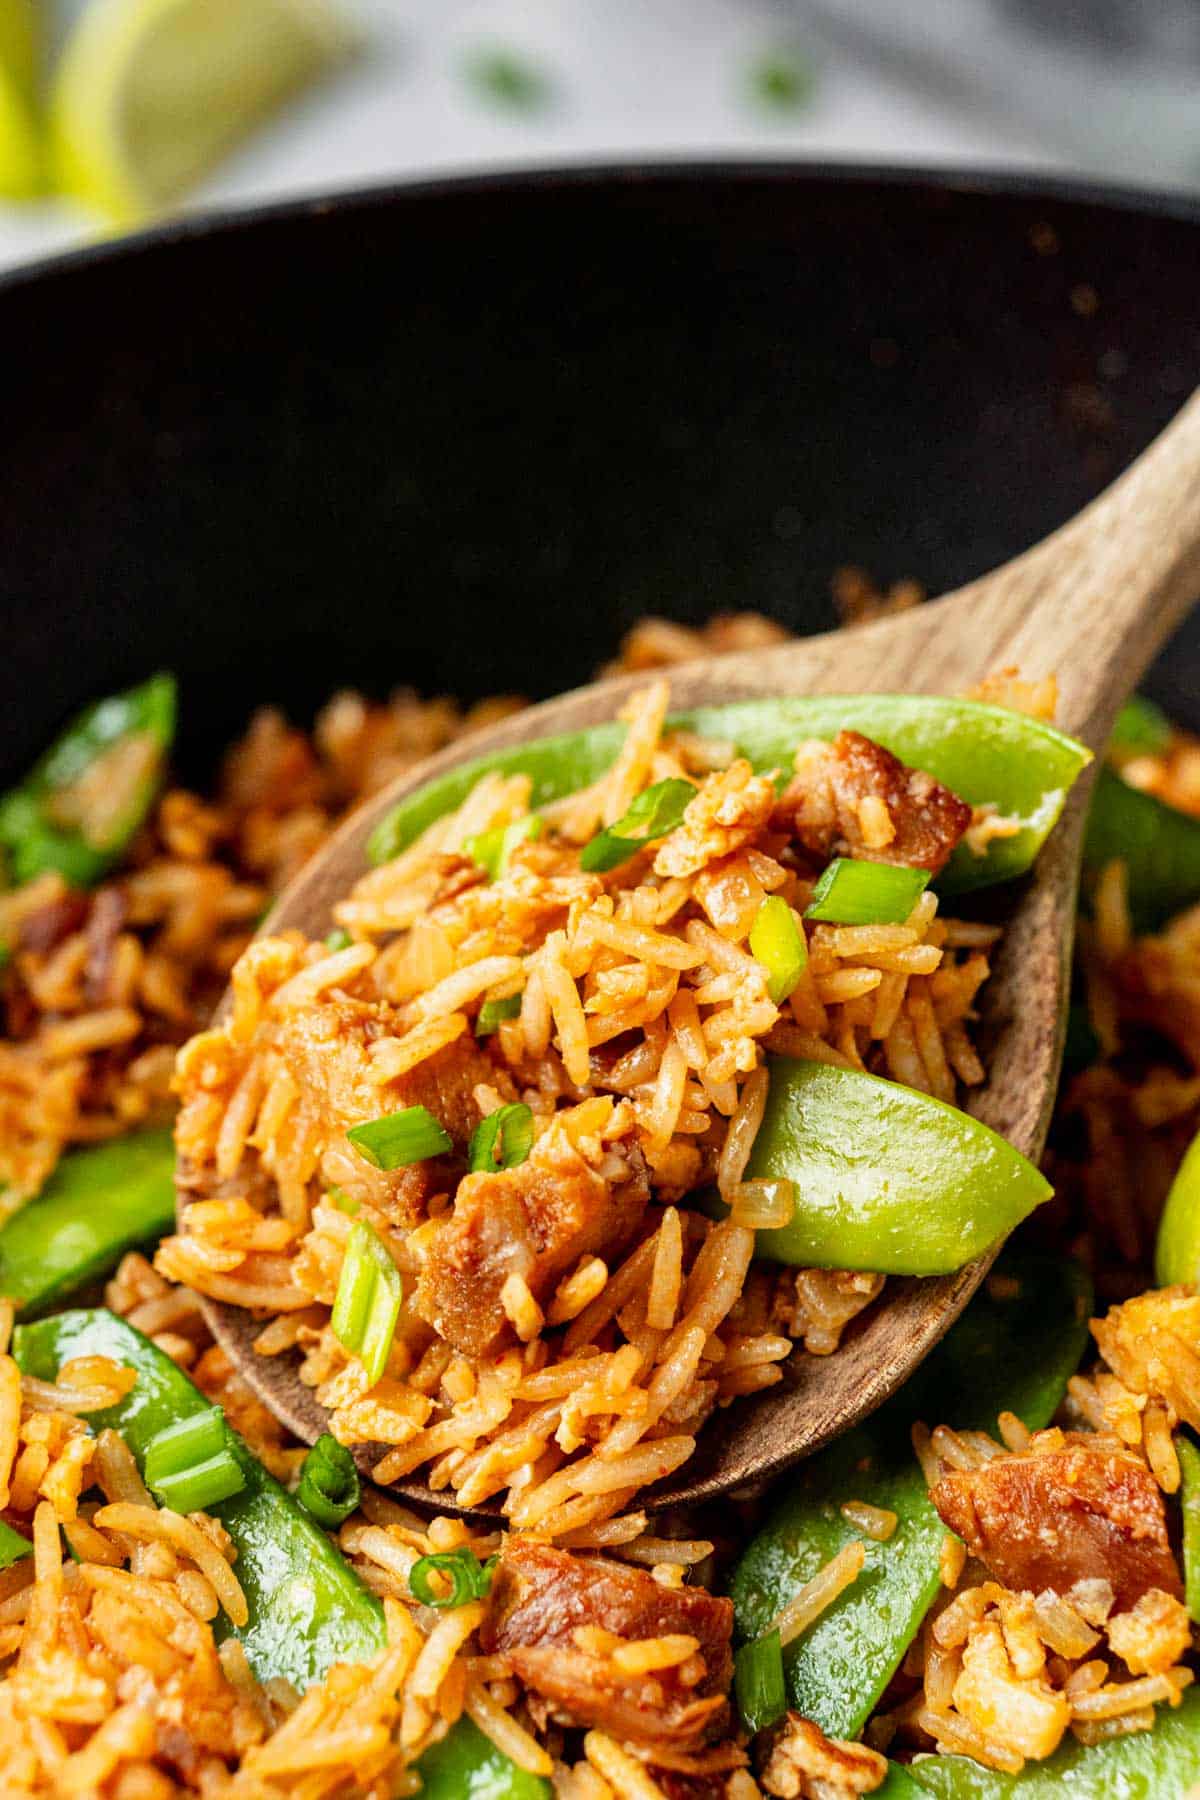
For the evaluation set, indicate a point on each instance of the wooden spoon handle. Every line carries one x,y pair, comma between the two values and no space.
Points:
1094,602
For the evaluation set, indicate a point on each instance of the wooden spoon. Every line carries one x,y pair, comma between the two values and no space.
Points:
1092,604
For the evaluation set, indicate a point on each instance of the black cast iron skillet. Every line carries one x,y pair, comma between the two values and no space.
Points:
461,435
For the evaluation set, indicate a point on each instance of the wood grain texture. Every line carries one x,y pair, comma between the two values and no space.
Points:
1093,604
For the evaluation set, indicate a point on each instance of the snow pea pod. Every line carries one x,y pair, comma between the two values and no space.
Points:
1189,1497
886,1178
82,802
986,754
467,1766
1159,846
1177,1246
12,1545
98,1203
1160,1764
308,1609
898,1784
1014,1349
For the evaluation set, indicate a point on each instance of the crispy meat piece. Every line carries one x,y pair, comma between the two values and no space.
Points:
536,1221
541,1595
1058,1516
327,1049
105,924
801,1761
43,929
820,805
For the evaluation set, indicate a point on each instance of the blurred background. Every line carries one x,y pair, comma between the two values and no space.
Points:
116,112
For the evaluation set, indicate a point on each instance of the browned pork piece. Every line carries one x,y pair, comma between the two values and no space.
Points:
1058,1516
534,1221
854,798
544,1601
327,1050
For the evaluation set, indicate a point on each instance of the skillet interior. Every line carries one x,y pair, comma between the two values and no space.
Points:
461,435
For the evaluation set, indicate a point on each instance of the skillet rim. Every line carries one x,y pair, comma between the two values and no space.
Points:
987,180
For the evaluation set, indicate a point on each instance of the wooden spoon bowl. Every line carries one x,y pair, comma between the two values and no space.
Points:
1092,604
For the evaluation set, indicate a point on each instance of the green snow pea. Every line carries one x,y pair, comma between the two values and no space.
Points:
12,1546
1159,846
1014,1349
109,759
1189,1496
1177,1246
467,1766
1141,727
898,1784
98,1203
1160,1764
886,1178
986,754
308,1609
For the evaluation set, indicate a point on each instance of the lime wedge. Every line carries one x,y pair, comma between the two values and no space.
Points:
20,150
151,93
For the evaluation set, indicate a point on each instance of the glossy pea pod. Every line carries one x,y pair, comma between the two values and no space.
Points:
885,1178
99,1202
986,754
82,802
307,1607
1014,1349
1161,1764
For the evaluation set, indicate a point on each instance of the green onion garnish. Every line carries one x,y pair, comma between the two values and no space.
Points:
400,1138
866,893
201,1485
758,1682
1141,725
782,80
469,1578
492,849
343,1201
328,1489
655,812
5,954
338,939
492,1012
502,1140
185,1444
777,942
368,1300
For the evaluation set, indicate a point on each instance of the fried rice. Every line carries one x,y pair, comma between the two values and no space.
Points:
118,1679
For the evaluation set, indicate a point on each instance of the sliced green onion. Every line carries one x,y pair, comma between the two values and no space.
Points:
503,1139
655,812
344,1202
493,1012
368,1298
777,942
469,1578
5,952
492,849
338,939
182,1445
1142,726
400,1138
329,1488
866,893
202,1485
758,1682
